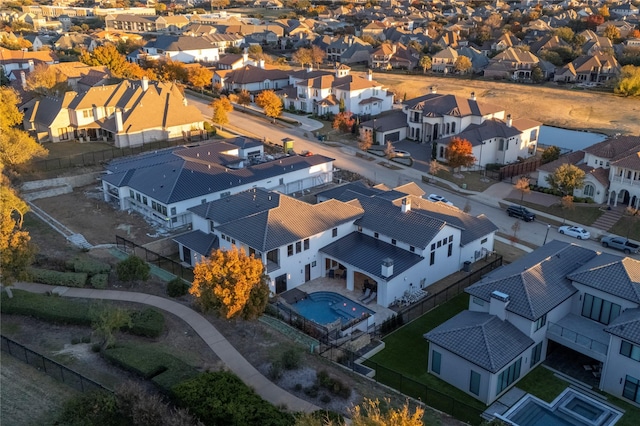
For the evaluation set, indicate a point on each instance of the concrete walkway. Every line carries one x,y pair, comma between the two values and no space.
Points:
211,336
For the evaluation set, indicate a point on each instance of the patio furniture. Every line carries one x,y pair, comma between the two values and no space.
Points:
332,273
371,298
367,293
587,367
339,273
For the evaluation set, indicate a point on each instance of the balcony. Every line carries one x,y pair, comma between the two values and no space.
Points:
625,181
580,334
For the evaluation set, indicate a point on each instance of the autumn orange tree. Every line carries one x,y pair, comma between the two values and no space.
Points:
221,109
231,282
270,103
522,185
344,121
199,77
460,153
244,98
45,80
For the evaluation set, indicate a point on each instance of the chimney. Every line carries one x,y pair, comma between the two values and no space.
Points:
261,63
96,116
350,40
145,83
23,80
434,89
406,205
370,75
387,267
393,48
245,56
31,65
119,125
498,304
310,68
185,102
509,120
473,96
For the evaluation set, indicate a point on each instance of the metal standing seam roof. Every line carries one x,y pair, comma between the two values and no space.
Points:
626,326
616,275
367,253
482,339
538,282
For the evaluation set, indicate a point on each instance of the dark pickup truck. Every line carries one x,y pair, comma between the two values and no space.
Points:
621,244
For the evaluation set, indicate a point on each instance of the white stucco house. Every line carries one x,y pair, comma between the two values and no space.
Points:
185,49
394,240
561,298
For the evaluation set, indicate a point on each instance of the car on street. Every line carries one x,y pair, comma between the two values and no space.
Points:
520,212
620,243
439,199
575,231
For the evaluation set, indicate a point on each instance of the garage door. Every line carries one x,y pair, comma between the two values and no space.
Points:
392,137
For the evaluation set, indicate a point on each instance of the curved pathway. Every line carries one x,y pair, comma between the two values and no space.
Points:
211,336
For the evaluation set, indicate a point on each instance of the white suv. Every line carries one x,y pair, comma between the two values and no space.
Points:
439,199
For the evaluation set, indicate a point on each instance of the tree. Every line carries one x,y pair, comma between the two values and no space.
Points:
344,121
565,33
566,179
160,8
425,63
270,103
566,203
522,185
244,98
170,70
219,4
106,321
302,56
109,56
629,81
365,140
226,280
199,77
341,106
462,64
536,74
460,153
515,228
44,80
132,269
604,12
389,152
593,21
221,109
550,154
435,167
317,55
255,50
611,32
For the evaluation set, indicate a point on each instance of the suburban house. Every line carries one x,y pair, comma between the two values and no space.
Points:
181,48
347,50
495,136
320,92
598,68
392,239
130,113
612,171
251,78
163,185
146,24
15,60
444,61
395,55
512,63
560,299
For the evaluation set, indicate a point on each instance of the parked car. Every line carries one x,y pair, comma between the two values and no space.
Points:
575,231
521,212
620,243
439,199
401,154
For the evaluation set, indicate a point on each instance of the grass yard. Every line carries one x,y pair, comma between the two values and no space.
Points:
583,214
627,227
473,180
406,353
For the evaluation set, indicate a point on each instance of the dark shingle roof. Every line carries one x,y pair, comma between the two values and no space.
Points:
538,282
240,205
481,338
367,253
616,275
198,241
627,326
437,105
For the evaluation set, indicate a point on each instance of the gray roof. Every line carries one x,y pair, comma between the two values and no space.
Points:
198,241
357,186
179,174
240,205
290,221
437,105
367,253
179,43
626,326
616,275
538,282
488,129
387,122
481,338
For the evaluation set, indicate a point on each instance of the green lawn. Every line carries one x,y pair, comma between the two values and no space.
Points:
582,214
627,227
474,181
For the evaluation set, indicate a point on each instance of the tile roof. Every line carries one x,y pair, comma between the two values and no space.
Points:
367,253
615,148
538,282
481,339
573,157
626,326
198,241
437,105
252,74
616,275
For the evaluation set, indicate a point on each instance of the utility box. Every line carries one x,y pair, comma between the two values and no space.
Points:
467,266
287,145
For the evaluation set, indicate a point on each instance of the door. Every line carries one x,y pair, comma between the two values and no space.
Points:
307,272
186,255
392,137
281,284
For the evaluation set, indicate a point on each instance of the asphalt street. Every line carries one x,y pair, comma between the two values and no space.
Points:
345,158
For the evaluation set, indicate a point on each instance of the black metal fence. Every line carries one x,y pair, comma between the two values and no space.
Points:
49,366
156,259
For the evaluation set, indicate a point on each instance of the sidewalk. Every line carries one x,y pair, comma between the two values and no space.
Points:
211,336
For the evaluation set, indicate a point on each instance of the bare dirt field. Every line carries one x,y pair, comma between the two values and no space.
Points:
552,105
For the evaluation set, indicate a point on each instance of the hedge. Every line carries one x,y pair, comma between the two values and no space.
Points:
68,279
147,322
90,266
99,281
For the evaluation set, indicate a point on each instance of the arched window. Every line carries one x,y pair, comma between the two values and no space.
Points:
589,190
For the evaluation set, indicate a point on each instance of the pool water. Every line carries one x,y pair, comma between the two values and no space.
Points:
533,414
325,307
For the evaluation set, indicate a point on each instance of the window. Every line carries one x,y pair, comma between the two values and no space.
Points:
376,235
138,197
432,258
631,389
450,239
484,240
436,359
453,127
334,232
439,244
540,322
359,228
173,211
536,354
450,250
508,376
589,190
203,201
144,200
290,250
281,181
393,241
211,226
433,246
599,309
474,383
131,193
630,351
306,244
225,194
86,113
298,246
477,301
533,135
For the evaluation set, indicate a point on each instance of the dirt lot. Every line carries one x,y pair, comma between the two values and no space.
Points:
553,105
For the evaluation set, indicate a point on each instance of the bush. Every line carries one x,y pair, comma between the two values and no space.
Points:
133,268
333,385
68,279
94,408
99,281
291,359
275,370
47,308
325,399
177,287
148,323
221,398
90,266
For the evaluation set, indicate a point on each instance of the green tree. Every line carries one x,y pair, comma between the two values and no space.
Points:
425,63
550,154
199,77
270,103
537,75
132,269
221,109
107,320
566,179
565,33
460,153
629,82
226,280
462,64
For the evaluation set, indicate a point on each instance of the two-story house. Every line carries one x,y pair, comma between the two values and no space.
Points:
181,48
512,63
445,60
559,297
252,78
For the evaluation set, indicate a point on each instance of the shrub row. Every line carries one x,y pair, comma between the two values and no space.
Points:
90,266
68,279
99,281
147,322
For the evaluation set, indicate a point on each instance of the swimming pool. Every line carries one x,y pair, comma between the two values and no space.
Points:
325,307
